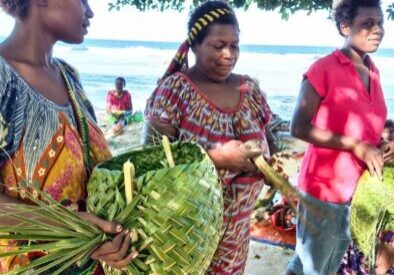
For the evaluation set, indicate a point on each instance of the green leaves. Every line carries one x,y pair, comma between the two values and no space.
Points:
66,240
372,210
285,7
390,11
144,5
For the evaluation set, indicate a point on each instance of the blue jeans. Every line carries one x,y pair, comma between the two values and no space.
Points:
323,236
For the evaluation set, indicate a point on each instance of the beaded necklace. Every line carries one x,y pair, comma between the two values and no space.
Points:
82,123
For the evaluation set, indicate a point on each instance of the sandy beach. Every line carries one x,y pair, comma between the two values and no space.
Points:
267,259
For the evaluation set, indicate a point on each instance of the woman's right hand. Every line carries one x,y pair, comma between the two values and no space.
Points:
372,157
387,149
115,252
234,157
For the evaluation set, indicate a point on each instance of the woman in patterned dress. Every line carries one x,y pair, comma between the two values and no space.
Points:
220,110
49,139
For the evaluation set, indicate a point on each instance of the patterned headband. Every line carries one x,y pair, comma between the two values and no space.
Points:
204,21
179,62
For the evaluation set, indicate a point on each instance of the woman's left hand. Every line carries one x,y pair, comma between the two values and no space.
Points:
115,252
387,149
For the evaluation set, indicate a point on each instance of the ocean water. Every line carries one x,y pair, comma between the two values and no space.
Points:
279,69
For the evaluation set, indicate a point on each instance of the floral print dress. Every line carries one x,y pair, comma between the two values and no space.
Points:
41,145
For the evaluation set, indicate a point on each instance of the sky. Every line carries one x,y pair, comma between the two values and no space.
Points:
257,26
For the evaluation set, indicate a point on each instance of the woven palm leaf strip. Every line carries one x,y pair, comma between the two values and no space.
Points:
177,211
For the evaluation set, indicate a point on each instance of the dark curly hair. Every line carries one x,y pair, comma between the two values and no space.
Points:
16,8
389,124
121,79
205,8
346,10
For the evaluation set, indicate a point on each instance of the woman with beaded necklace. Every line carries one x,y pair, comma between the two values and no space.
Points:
49,139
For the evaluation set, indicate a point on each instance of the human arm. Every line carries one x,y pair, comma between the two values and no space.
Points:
153,129
271,140
233,156
302,128
387,149
167,108
113,252
131,105
230,155
109,103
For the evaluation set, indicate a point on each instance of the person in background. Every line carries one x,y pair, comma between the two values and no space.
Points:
119,106
388,131
49,139
209,104
341,112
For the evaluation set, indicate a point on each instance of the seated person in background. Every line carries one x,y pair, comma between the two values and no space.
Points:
388,131
119,106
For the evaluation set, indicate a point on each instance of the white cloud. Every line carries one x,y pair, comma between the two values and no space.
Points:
6,23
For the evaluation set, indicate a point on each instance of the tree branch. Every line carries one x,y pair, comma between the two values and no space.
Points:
285,7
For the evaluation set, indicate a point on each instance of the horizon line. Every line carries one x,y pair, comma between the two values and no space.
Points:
242,44
179,42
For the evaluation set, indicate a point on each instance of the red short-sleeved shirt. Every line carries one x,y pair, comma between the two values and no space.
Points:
115,103
348,109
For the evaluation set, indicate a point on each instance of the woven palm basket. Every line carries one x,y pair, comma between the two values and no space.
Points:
175,212
372,210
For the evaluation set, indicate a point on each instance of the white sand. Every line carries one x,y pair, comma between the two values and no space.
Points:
267,259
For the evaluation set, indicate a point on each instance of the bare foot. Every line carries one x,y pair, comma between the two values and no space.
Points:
117,130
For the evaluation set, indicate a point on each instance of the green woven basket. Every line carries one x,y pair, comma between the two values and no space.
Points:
176,211
372,210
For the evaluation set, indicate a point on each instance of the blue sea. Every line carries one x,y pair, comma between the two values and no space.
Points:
279,69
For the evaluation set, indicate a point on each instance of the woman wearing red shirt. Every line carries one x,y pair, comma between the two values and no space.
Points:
119,106
341,112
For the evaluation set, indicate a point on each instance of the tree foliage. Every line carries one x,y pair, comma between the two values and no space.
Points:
390,11
285,7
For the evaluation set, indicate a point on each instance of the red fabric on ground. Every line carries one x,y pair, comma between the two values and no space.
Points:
265,232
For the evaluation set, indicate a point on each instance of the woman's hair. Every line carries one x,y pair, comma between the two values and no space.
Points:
346,10
121,79
205,9
389,124
16,8
201,20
